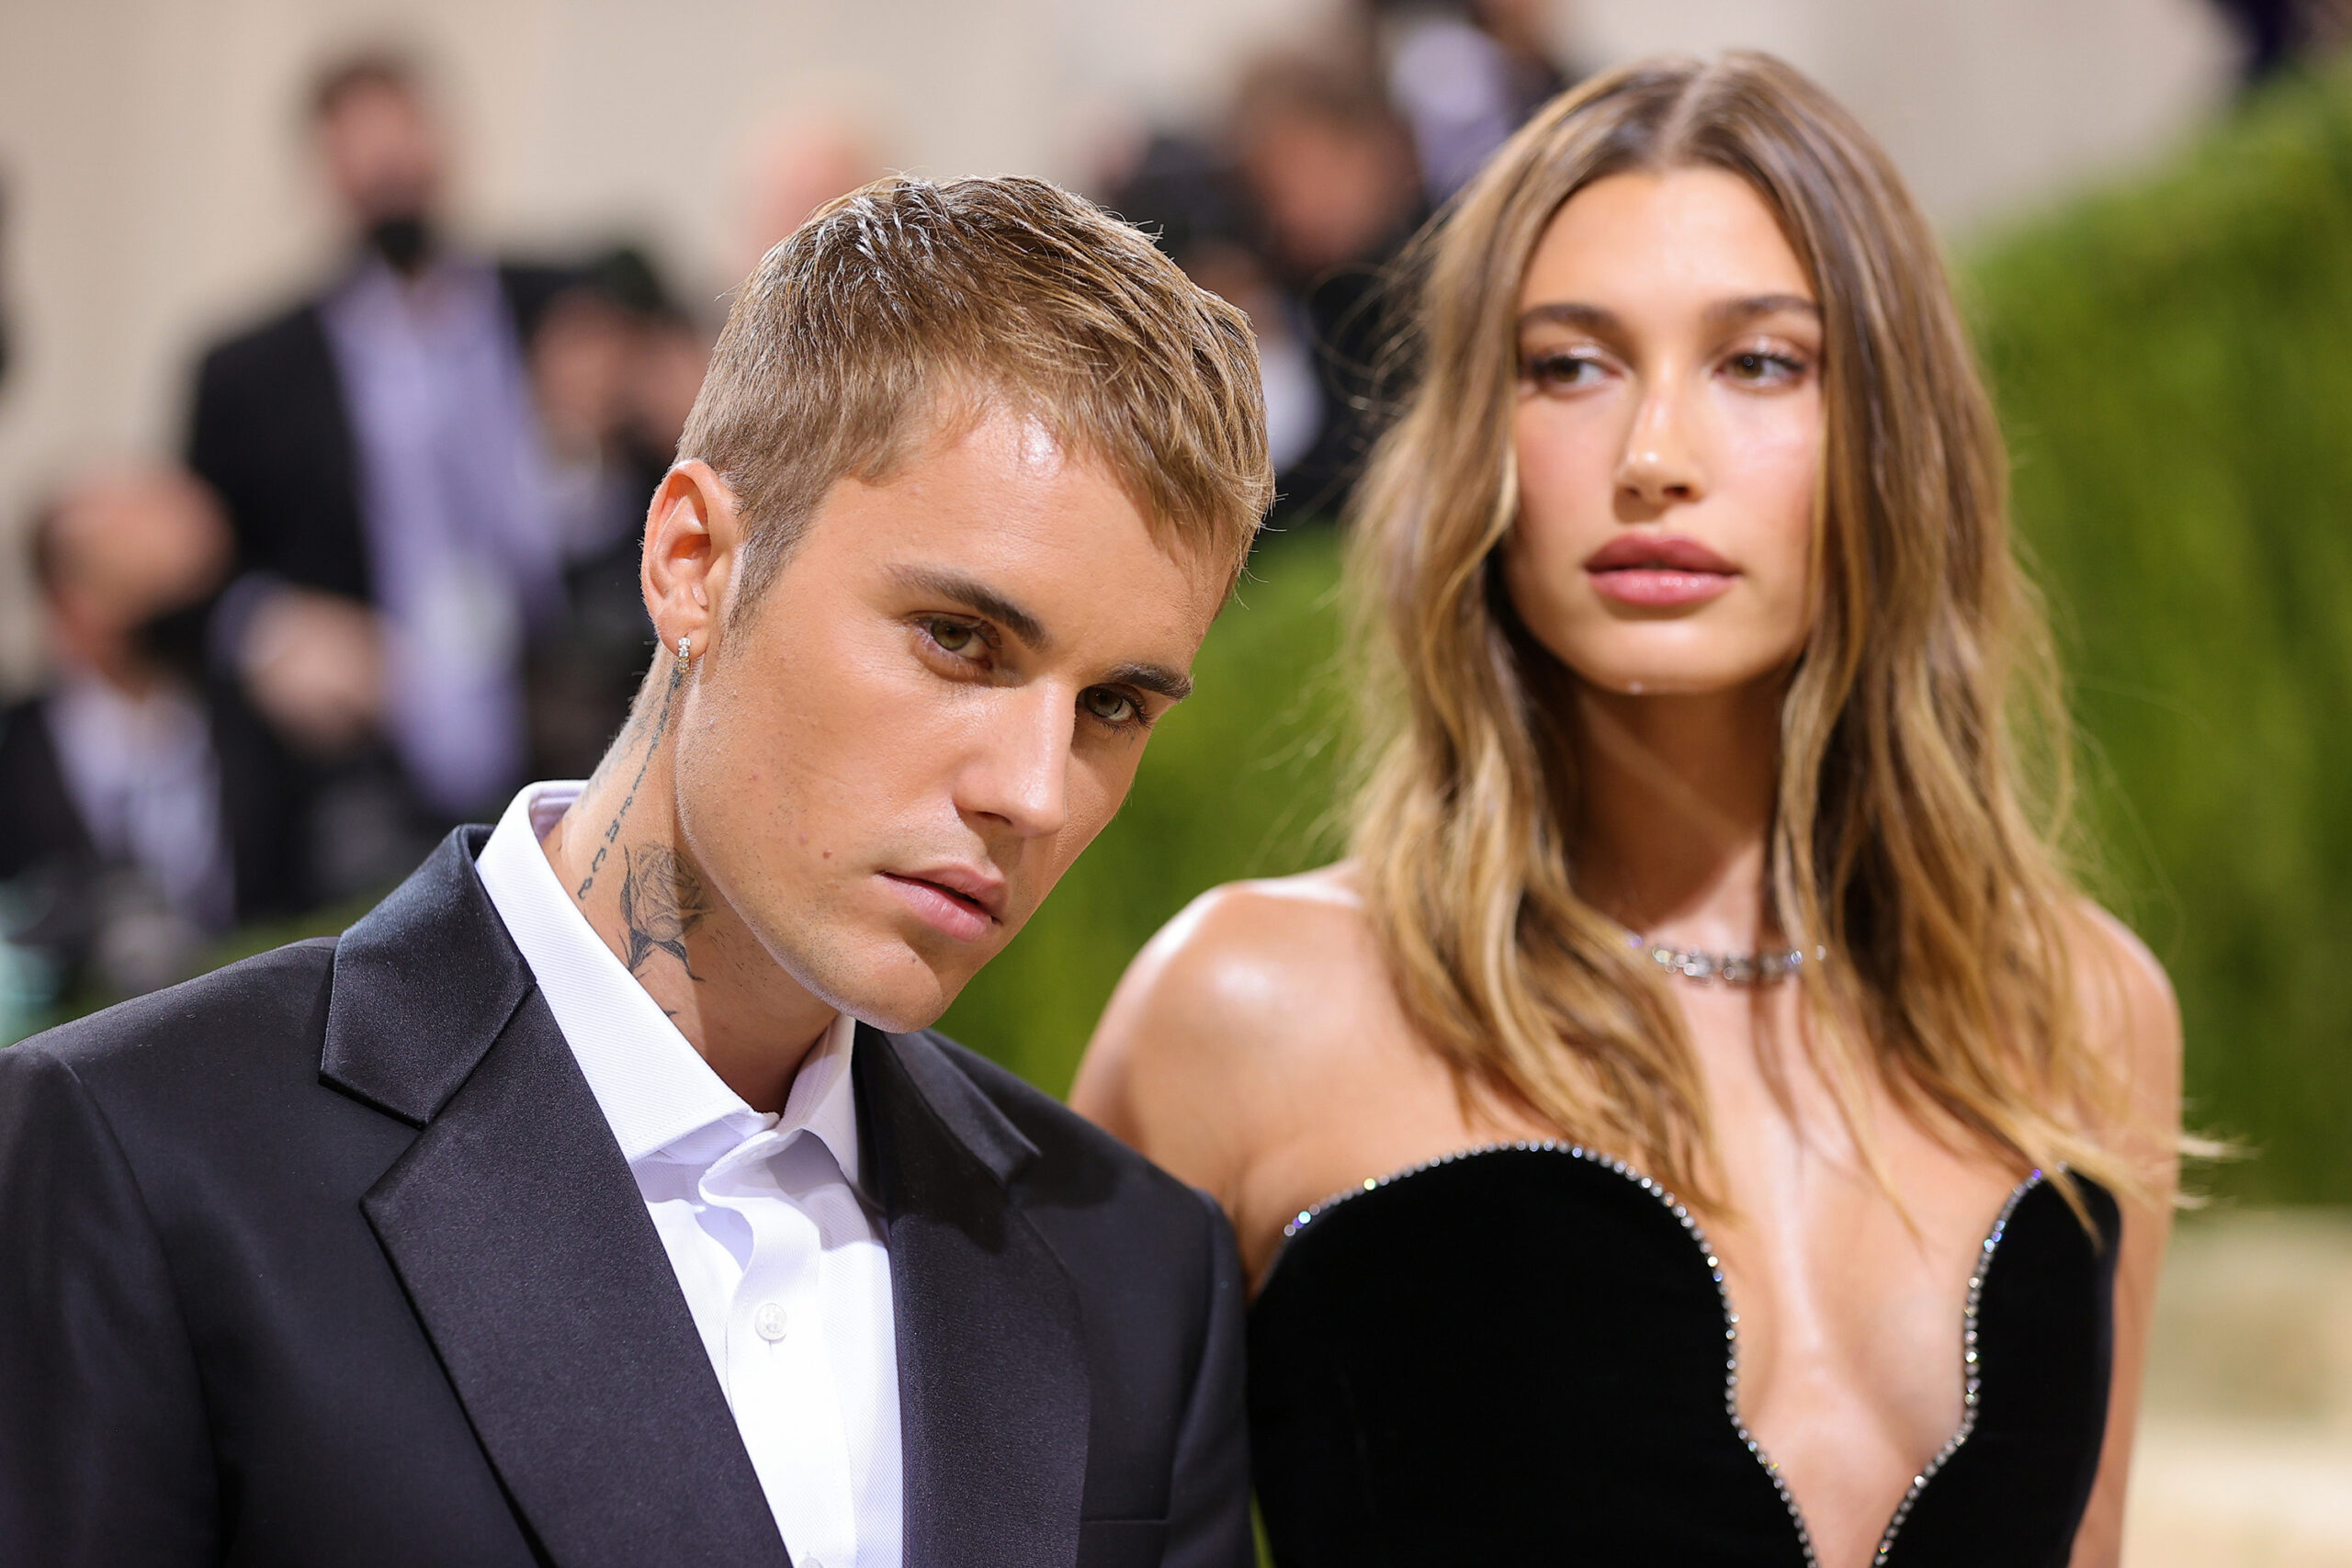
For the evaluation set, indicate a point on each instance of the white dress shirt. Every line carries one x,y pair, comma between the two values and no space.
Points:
779,1251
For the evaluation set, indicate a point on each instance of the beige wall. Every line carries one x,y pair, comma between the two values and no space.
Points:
1989,105
156,191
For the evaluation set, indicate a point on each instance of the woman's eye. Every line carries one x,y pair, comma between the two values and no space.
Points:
954,637
1763,368
1563,371
1109,706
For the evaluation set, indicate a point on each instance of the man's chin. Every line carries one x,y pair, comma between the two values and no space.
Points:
903,992
892,1018
891,972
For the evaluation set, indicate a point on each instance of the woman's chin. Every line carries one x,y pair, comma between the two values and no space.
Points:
1676,680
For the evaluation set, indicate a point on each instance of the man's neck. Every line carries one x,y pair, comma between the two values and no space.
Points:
624,864
109,664
1675,801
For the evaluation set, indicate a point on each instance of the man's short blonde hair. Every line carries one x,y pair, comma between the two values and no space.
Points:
902,306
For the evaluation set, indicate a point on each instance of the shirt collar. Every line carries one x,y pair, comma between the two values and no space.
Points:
654,1088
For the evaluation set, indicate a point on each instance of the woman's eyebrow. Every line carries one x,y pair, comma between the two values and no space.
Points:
1733,312
1571,313
1727,312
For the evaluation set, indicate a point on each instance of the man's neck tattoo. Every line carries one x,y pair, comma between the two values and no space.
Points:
612,828
662,901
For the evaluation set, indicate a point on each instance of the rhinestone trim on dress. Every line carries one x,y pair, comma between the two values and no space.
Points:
1730,1319
1973,1368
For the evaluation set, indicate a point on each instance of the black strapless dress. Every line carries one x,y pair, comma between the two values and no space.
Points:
1524,1356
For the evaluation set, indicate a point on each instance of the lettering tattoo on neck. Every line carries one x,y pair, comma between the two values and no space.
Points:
662,901
613,829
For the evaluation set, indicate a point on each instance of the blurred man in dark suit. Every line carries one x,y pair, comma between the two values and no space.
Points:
381,460
142,806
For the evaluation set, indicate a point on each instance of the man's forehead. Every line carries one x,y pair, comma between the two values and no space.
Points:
1005,475
1037,437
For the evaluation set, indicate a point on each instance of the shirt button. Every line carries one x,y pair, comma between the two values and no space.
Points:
768,1322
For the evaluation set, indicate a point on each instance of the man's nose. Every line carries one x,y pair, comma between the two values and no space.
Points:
1017,777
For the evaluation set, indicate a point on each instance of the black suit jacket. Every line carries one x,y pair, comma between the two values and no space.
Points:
271,433
330,1257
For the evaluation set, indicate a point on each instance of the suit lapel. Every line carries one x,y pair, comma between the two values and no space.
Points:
992,1383
525,1247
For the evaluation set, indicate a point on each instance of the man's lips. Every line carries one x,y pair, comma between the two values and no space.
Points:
1658,570
954,900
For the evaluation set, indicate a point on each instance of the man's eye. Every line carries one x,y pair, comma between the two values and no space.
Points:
954,637
1109,706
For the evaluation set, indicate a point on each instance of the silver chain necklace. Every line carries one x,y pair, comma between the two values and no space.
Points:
1726,968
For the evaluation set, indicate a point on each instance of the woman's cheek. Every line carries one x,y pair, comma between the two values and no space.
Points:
1783,475
1567,481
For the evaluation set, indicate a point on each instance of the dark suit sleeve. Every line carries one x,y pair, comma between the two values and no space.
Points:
270,433
217,455
1209,1498
104,1459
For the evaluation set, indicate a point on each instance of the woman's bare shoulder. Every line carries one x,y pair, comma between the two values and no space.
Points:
2123,987
1234,1003
2130,1013
1244,970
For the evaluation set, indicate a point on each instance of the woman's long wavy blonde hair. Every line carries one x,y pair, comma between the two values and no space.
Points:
1923,756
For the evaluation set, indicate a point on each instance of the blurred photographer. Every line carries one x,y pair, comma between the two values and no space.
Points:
383,471
140,812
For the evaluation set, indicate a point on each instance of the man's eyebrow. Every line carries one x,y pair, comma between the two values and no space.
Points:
1156,678
975,595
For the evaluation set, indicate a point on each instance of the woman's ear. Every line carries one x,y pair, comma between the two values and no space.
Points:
691,538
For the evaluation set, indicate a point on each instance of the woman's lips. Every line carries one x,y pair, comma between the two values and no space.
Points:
1653,588
949,913
1658,572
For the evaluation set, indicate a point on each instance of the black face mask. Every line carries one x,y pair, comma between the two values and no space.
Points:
405,243
173,641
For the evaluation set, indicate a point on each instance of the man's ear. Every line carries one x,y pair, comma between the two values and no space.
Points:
692,534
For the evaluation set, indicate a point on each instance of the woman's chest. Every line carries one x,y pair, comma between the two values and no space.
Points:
1851,1237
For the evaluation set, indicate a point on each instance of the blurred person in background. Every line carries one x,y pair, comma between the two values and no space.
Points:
1327,171
1184,190
1704,977
1329,157
2276,34
142,805
615,363
1465,75
381,463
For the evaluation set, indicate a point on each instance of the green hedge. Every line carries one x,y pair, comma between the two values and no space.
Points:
2173,365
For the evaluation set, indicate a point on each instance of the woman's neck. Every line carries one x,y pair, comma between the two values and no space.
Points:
1674,805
